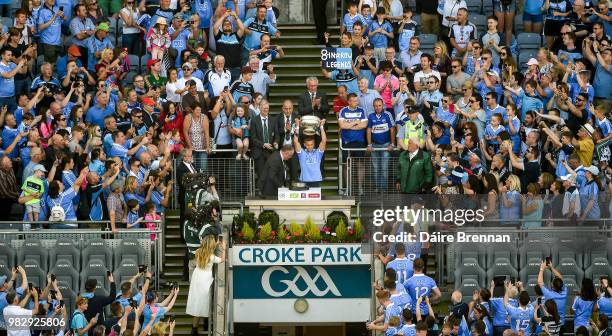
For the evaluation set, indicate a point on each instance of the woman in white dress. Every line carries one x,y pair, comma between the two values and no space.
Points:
198,301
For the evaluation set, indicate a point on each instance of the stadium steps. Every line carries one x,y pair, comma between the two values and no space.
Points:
302,60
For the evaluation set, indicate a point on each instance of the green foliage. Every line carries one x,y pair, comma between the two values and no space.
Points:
248,234
314,234
309,225
358,230
245,218
333,219
265,233
269,216
341,232
282,234
296,231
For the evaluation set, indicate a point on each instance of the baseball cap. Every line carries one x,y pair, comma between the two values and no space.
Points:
188,65
493,73
369,46
569,177
151,62
148,101
589,129
179,16
532,61
593,169
74,51
246,70
40,167
103,26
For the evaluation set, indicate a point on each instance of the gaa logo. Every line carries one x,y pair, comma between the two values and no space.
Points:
292,284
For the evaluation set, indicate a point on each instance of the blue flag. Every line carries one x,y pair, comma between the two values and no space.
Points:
464,329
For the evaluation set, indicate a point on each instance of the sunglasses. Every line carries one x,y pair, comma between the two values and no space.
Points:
473,101
186,69
465,90
62,119
503,54
445,101
579,99
485,58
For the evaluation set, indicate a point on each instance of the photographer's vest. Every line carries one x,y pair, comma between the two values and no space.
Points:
193,236
412,130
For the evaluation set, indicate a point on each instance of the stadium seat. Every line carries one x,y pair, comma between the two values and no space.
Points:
518,23
124,274
599,267
7,21
476,252
533,253
572,274
480,21
98,272
69,297
502,251
428,41
129,253
36,275
474,6
134,63
33,254
487,6
66,275
96,252
143,62
470,268
467,288
524,56
501,267
529,41
7,258
65,250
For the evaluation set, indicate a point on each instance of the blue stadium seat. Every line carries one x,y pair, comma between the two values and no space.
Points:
32,254
134,63
65,250
474,6
124,274
96,252
129,253
36,275
67,276
529,40
7,258
428,41
143,62
480,21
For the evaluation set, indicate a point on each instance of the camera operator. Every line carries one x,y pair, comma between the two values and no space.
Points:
51,86
206,195
78,75
199,221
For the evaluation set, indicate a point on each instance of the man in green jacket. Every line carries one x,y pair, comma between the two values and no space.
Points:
415,171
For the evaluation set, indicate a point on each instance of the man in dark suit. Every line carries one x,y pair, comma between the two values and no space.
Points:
284,126
184,167
313,101
275,171
263,139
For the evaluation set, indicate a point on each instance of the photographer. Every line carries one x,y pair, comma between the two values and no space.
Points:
79,76
50,84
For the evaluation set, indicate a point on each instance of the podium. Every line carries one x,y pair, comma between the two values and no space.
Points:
299,210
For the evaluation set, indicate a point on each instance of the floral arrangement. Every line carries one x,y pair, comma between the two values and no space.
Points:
295,233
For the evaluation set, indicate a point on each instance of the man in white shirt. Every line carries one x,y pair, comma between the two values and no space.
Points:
420,78
217,78
15,310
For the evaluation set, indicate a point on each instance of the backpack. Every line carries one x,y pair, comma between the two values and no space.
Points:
57,213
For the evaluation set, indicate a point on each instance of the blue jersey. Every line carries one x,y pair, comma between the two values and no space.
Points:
349,135
407,330
402,267
7,85
350,21
605,306
605,126
420,285
380,126
392,310
402,300
560,300
500,314
520,318
584,310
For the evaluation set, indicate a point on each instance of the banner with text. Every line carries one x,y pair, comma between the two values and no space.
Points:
305,254
337,58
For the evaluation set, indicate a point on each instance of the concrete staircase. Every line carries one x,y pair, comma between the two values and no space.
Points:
302,60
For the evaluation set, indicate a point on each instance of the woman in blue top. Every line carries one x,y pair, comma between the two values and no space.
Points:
510,204
79,324
132,191
583,305
158,310
604,304
60,196
589,195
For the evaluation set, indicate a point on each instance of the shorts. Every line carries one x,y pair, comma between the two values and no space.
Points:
533,18
499,8
553,27
33,208
353,153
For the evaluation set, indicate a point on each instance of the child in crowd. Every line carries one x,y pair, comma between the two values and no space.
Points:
34,186
492,131
240,129
175,143
407,29
133,218
150,215
158,39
